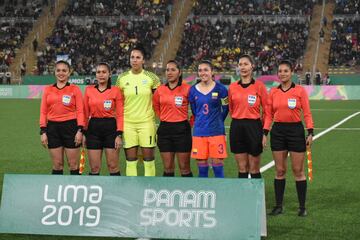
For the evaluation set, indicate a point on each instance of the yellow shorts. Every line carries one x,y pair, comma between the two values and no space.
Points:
139,134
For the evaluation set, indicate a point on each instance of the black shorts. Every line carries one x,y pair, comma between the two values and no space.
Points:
62,134
246,136
101,133
288,136
174,137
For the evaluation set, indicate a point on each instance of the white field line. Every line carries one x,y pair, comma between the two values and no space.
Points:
272,163
341,129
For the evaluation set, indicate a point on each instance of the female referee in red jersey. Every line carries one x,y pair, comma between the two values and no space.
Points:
62,120
104,109
171,103
247,100
285,104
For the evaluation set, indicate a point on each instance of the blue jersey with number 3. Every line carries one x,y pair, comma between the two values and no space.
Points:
209,110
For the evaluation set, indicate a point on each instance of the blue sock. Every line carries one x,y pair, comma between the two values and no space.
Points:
218,170
203,170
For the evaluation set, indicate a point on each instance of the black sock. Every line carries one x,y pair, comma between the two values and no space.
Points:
279,185
74,172
301,187
165,174
255,175
57,172
115,174
243,175
94,174
187,175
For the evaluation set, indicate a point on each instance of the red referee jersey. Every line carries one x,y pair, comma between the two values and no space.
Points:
60,105
104,104
286,106
245,100
171,105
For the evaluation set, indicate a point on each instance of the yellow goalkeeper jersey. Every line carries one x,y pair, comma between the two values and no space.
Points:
138,90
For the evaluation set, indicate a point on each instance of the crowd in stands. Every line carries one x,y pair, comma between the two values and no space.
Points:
253,7
23,8
11,38
224,41
13,33
347,7
268,40
345,46
109,43
117,8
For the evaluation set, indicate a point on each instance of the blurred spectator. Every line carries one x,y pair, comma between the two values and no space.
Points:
109,43
317,77
326,79
308,77
347,7
23,68
12,35
8,78
31,9
224,41
345,46
322,35
35,44
253,7
117,8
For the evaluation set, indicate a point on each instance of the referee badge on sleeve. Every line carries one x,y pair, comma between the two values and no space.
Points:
66,99
251,100
178,101
107,104
291,103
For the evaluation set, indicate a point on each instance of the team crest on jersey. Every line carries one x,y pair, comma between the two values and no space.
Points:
251,100
194,151
107,104
214,95
291,103
144,82
178,101
66,100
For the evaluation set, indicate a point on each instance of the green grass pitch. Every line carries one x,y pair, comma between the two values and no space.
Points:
333,200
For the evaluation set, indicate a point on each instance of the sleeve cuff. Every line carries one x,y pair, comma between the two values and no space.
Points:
80,129
266,132
311,131
43,130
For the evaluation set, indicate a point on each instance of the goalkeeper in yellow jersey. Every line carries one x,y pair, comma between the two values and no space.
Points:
138,86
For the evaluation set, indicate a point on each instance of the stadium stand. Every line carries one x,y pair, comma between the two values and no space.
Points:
345,47
117,8
345,35
252,7
224,41
112,37
21,9
267,30
16,20
347,7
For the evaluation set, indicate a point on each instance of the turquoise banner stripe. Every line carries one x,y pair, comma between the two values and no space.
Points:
153,207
